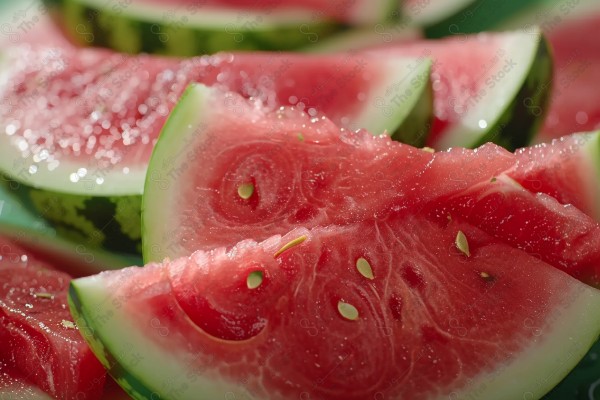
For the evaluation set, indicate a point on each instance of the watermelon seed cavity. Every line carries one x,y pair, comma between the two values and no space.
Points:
363,266
347,311
462,244
289,245
245,190
254,280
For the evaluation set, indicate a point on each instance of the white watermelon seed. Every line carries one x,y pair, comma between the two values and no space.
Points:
245,190
363,266
254,280
462,244
347,311
290,244
68,324
484,275
44,295
428,149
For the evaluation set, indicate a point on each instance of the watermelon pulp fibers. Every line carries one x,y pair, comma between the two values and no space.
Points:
308,173
425,320
39,340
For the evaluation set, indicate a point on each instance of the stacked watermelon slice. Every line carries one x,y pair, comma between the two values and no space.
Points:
299,240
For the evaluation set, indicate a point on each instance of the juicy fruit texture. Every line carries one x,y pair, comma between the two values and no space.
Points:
77,126
310,174
570,171
574,103
431,323
487,87
39,339
98,114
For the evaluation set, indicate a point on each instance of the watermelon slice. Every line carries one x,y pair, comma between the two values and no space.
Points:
246,185
39,339
487,87
570,171
80,159
400,304
188,28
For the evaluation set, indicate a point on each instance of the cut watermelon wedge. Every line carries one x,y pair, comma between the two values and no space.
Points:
193,28
570,171
251,189
391,303
80,159
39,339
487,87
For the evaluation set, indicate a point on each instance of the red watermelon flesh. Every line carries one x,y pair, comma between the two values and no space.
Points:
331,177
574,105
103,111
569,171
36,331
430,321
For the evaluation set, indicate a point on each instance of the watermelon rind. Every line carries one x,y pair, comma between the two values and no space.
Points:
188,30
18,223
132,360
457,17
147,370
592,150
524,101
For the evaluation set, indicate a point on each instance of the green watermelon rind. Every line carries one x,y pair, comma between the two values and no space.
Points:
402,106
103,334
133,28
592,150
110,222
523,106
524,115
120,345
168,156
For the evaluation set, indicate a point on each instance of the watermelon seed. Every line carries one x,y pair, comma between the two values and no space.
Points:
486,277
347,311
44,295
290,244
493,179
300,137
254,279
245,190
363,266
428,149
462,244
68,324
